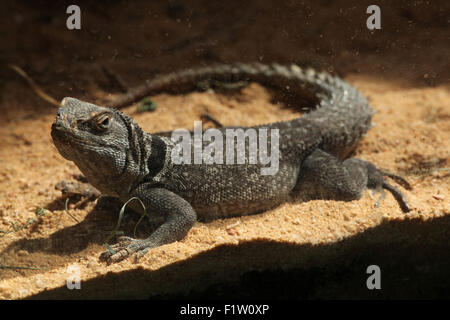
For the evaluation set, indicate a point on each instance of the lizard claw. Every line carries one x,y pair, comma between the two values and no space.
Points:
118,256
398,195
123,249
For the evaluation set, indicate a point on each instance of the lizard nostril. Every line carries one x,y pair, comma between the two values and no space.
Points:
59,113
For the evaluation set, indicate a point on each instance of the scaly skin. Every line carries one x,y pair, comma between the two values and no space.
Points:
121,160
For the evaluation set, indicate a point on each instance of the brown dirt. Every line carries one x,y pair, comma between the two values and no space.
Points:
403,68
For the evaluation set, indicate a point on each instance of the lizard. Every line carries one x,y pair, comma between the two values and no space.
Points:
121,160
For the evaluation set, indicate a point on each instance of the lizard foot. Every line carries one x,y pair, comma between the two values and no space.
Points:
398,195
124,248
377,177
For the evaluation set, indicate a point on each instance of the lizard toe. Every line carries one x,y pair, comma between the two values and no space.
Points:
123,249
378,183
120,255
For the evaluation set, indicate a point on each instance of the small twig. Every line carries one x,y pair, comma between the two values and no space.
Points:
34,86
233,225
67,211
110,249
121,214
142,216
19,267
427,171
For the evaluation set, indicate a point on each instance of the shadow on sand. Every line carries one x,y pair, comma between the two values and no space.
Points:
413,255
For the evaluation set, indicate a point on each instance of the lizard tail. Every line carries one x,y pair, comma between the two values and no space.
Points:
323,86
340,109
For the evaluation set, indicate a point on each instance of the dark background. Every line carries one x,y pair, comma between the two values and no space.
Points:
137,39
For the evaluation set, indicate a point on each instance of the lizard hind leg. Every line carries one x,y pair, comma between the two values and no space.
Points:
323,176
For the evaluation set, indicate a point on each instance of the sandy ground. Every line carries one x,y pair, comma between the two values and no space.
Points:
403,69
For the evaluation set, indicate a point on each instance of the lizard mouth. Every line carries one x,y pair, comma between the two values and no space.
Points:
62,134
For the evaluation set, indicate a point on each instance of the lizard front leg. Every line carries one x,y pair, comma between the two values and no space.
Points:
178,214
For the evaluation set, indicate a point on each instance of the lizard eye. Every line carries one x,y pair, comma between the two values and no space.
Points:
103,121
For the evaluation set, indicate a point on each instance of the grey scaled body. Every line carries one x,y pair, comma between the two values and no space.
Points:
121,160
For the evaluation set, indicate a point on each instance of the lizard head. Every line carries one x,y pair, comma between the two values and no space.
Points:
95,138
